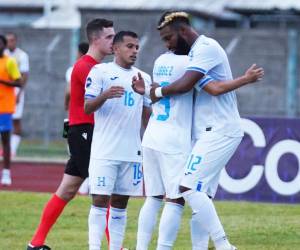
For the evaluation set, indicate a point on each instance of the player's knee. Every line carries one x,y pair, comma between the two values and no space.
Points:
183,189
67,194
5,139
160,197
100,200
119,201
179,201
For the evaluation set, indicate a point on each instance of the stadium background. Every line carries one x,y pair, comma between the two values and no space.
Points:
266,33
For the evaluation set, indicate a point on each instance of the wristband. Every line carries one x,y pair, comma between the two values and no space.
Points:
158,92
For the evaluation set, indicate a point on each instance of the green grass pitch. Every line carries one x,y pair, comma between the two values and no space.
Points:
250,226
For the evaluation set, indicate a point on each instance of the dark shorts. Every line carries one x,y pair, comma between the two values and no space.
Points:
79,140
6,122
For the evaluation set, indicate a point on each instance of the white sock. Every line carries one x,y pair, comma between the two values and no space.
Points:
205,213
147,221
116,227
97,225
199,235
169,225
14,143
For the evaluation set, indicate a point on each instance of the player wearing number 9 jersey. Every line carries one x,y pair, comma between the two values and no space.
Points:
166,145
169,126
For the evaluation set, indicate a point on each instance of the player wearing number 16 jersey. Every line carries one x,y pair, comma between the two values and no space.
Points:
166,145
115,163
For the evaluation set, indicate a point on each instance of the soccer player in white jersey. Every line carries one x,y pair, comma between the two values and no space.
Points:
23,63
166,146
115,169
216,125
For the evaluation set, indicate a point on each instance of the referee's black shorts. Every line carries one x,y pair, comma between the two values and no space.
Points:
79,140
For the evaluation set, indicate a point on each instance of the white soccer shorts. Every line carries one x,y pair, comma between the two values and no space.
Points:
115,177
210,154
162,173
20,105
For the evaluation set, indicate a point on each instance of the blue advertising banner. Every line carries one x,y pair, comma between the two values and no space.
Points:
266,166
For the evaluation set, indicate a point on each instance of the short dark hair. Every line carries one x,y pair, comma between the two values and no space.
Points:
3,40
83,47
95,26
119,37
12,33
173,18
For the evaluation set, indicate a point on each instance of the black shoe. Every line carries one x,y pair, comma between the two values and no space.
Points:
43,247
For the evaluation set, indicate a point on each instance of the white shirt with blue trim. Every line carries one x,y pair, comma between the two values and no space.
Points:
169,128
118,122
220,113
21,57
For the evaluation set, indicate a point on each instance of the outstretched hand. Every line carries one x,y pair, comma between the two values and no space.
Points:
254,73
138,84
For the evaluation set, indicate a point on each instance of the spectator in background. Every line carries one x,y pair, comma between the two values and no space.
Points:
23,63
82,50
10,77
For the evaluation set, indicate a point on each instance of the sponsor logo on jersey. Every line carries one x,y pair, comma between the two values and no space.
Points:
136,183
114,78
84,135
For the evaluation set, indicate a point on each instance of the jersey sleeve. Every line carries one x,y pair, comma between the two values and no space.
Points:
203,82
204,57
93,84
12,68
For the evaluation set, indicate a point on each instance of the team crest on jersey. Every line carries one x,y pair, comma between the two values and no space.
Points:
114,78
84,135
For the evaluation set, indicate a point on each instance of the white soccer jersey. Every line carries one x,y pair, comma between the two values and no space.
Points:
169,128
21,58
219,113
118,122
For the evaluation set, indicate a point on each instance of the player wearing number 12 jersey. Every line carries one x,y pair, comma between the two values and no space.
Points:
216,120
166,145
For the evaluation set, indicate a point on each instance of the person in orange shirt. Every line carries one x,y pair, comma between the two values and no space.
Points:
10,77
